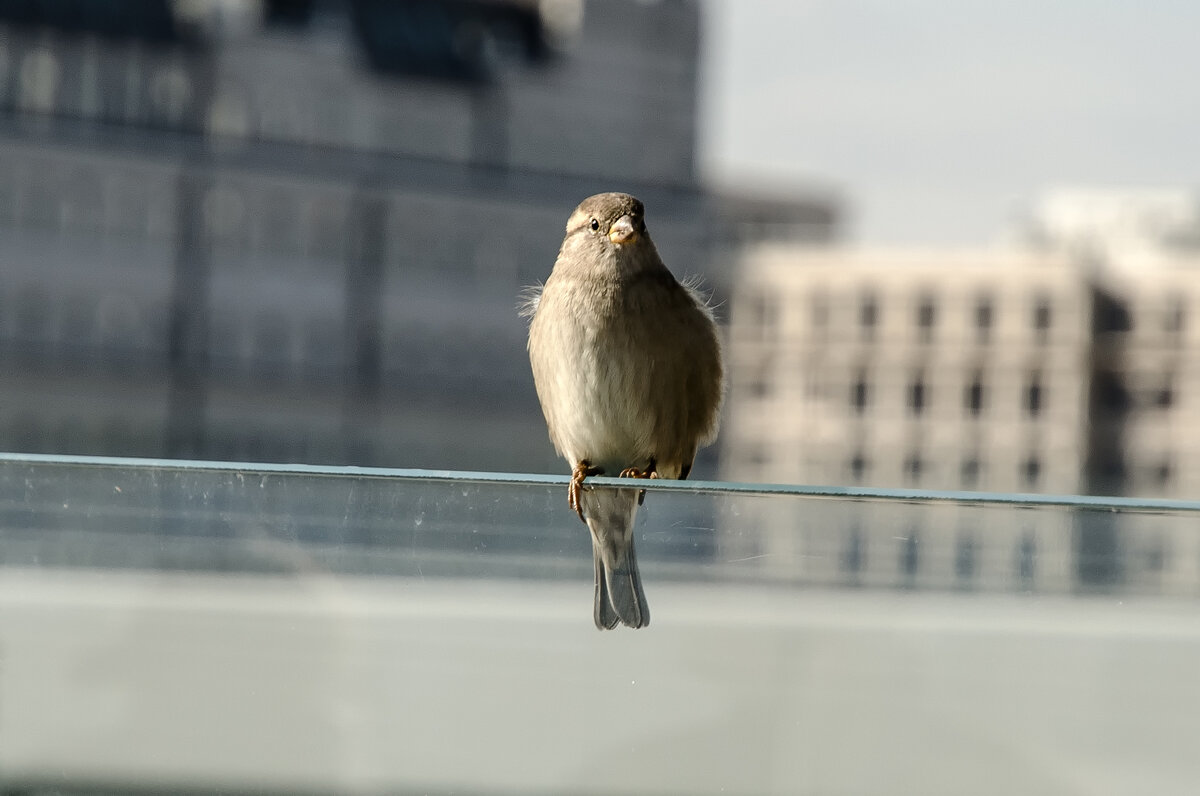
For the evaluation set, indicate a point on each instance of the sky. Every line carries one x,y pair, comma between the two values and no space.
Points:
940,123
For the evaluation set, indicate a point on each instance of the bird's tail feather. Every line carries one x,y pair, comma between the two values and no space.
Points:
605,615
610,515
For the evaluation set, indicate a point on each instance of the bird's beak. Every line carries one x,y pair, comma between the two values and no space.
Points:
623,230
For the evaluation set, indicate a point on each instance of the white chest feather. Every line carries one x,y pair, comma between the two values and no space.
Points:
596,379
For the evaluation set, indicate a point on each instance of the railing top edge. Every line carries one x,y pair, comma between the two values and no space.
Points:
1090,502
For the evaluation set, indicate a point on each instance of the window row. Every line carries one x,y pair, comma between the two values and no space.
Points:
315,231
102,199
926,314
112,85
967,553
916,469
975,394
983,314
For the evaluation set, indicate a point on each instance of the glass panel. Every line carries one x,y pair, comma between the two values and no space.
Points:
281,629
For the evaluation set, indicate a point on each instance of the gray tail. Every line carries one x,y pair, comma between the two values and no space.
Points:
610,516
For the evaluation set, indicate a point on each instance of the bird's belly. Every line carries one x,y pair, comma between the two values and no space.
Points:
606,422
611,440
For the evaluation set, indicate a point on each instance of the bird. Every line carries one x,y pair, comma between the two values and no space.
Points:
627,365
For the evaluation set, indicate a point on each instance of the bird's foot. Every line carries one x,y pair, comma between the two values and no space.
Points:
634,472
574,492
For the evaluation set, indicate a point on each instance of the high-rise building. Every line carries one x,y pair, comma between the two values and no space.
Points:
306,242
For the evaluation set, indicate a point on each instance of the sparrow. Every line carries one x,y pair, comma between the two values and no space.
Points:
627,365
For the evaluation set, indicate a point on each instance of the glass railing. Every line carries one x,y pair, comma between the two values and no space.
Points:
268,628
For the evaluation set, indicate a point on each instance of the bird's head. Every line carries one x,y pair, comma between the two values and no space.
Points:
611,226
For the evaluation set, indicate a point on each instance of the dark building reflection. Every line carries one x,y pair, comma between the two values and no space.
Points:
301,238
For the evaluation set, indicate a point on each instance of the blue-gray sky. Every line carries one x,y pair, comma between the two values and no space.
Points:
938,122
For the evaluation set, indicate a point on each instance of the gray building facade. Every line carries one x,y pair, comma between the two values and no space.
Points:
261,249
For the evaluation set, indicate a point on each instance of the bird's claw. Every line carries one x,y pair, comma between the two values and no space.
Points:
575,490
635,472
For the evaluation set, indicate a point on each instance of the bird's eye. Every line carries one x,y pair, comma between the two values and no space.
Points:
595,225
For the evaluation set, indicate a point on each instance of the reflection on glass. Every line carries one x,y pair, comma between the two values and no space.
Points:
248,628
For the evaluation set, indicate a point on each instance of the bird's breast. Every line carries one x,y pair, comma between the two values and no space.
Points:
596,380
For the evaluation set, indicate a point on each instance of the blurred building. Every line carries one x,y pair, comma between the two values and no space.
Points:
923,369
298,232
1140,250
1061,365
1114,224
930,369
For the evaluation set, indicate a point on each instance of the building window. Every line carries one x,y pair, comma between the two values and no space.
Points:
1164,396
760,384
1161,474
1034,395
970,472
926,317
965,555
916,394
1110,315
983,320
973,395
859,466
868,316
1026,559
910,558
762,314
1041,319
755,455
1031,471
854,555
860,393
914,467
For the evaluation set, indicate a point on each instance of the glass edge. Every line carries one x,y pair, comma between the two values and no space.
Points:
1091,502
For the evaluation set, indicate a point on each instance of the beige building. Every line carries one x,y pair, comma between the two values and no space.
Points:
1141,249
951,370
1146,402
1041,368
